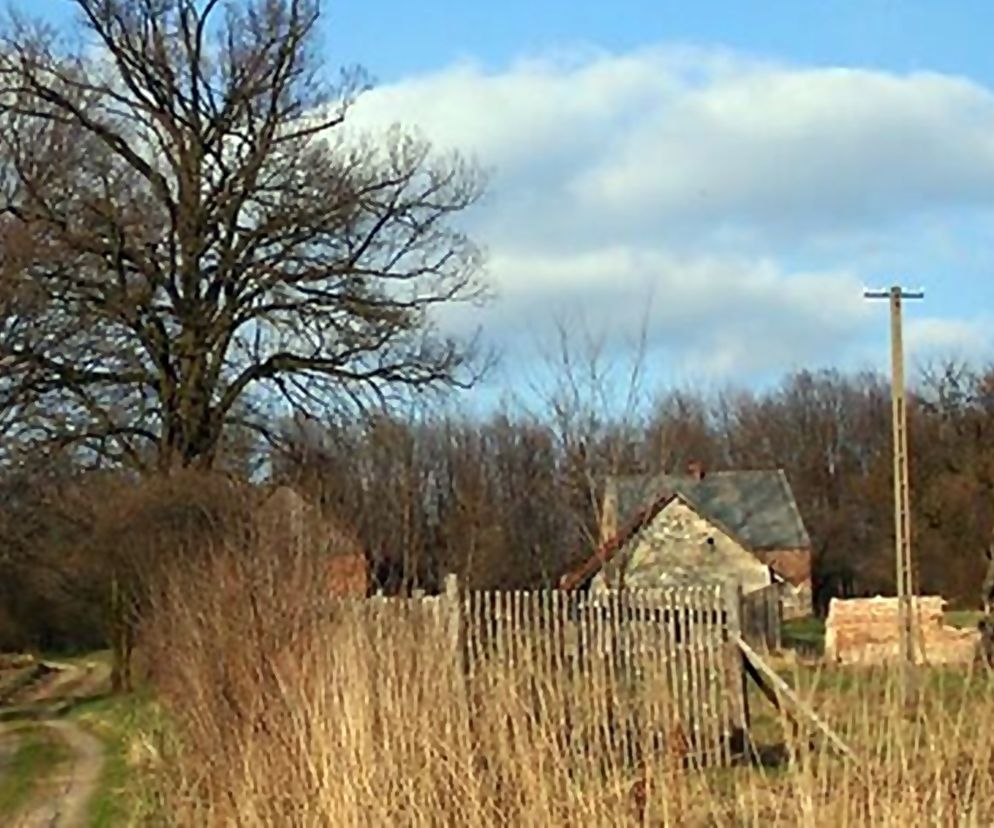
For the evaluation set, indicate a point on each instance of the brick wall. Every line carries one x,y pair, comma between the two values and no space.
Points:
348,575
865,631
793,565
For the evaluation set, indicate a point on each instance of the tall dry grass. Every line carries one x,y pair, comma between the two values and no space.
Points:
285,714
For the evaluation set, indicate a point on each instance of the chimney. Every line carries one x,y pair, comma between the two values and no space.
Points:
695,470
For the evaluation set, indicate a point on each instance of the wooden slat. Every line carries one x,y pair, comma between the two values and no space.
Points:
703,730
713,684
589,668
626,630
615,678
697,713
721,680
675,711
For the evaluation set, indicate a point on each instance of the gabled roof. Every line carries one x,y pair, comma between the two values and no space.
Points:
607,550
755,507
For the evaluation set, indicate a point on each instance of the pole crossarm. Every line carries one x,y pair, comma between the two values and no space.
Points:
887,293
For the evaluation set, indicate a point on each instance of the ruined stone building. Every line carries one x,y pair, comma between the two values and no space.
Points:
668,530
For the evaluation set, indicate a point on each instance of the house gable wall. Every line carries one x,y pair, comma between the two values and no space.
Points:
673,549
793,565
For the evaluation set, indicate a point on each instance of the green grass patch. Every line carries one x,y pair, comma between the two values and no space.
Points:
964,619
35,758
804,633
122,723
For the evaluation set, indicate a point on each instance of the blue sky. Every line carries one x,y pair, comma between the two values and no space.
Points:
897,34
729,174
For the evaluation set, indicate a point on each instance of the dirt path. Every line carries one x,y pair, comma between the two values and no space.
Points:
63,798
66,796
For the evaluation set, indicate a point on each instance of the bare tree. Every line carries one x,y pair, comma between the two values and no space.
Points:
207,239
593,399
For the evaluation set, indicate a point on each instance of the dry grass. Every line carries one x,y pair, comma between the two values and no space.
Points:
282,716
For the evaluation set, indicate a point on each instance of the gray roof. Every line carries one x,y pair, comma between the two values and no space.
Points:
757,507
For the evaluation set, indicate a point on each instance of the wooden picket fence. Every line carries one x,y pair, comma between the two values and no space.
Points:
613,675
635,670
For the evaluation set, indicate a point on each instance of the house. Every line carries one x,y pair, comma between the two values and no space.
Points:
668,530
288,522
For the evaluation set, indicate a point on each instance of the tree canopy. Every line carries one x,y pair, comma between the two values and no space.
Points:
191,232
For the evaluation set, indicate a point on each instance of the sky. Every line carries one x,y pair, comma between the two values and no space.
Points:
726,176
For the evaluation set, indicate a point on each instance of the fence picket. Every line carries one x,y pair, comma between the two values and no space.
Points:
697,713
713,648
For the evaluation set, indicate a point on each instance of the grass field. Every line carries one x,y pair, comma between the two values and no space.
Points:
411,763
805,634
239,735
964,619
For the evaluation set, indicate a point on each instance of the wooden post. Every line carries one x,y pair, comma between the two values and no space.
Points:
779,692
778,620
902,507
774,618
736,672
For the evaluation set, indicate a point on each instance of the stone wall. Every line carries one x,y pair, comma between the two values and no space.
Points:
681,547
865,631
796,599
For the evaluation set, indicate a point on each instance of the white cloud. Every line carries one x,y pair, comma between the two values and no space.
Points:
785,146
660,136
961,339
718,316
746,197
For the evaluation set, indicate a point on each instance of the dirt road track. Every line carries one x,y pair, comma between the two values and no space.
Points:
63,799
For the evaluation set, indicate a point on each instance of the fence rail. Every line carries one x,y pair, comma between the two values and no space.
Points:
612,675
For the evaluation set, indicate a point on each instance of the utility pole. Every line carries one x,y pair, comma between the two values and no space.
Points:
902,505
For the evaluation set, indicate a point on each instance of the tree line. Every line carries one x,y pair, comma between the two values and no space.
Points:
512,500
